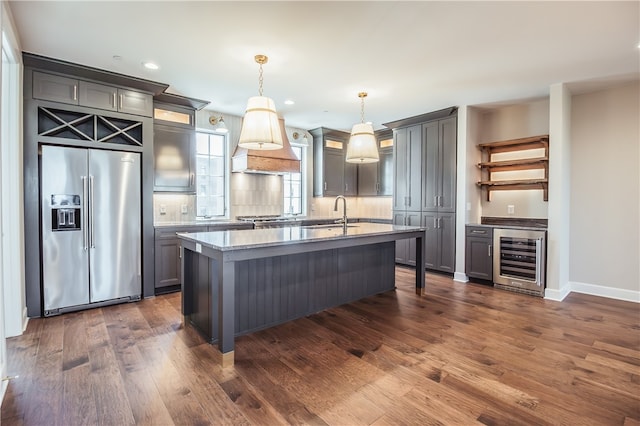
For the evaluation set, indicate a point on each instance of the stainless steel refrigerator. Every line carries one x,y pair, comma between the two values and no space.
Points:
91,227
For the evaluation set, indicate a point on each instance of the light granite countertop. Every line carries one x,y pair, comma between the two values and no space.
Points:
269,237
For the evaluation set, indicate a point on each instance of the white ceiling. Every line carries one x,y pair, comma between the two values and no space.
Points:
412,57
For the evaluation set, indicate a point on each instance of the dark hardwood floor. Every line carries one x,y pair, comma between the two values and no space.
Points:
462,354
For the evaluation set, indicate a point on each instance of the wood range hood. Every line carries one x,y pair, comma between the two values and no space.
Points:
275,161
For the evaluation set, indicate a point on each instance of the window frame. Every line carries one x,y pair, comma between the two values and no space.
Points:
303,183
226,177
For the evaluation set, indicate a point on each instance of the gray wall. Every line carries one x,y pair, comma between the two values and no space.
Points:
605,192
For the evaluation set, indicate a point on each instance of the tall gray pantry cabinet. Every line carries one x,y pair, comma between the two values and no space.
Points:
425,185
72,105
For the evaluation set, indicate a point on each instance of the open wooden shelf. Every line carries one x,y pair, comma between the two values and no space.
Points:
512,145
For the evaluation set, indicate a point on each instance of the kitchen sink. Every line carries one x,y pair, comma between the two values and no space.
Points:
329,225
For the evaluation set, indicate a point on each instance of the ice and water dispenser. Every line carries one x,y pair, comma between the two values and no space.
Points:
65,212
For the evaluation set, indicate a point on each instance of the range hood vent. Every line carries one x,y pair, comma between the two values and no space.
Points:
276,161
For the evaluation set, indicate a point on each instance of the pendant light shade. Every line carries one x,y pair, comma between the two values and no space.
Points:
260,127
362,147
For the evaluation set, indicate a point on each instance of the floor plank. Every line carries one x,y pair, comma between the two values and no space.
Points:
460,354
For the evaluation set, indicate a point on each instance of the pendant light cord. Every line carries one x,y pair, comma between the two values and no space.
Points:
362,95
260,80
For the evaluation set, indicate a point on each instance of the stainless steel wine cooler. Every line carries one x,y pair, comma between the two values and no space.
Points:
519,262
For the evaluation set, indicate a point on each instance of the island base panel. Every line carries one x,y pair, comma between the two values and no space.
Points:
273,290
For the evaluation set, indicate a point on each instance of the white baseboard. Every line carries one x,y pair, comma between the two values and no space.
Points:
25,319
602,291
3,389
461,277
557,295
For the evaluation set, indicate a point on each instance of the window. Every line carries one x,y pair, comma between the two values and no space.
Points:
211,152
294,200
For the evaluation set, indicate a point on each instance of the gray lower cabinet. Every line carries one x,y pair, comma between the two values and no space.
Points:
168,255
406,249
56,88
440,244
479,252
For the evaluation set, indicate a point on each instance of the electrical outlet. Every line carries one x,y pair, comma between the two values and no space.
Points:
511,209
163,209
183,209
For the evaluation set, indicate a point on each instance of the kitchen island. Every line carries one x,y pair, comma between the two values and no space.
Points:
237,282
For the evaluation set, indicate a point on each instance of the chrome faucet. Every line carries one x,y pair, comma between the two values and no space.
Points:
344,210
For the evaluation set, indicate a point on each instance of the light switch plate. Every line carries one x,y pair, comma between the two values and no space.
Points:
511,209
183,209
163,209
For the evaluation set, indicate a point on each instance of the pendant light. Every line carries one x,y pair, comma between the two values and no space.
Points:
362,147
260,127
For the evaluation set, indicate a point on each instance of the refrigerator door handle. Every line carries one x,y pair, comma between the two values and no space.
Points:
85,205
92,242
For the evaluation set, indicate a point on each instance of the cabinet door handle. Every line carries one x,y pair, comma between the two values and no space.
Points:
325,185
114,99
191,176
435,223
121,96
435,200
180,252
75,92
346,187
489,250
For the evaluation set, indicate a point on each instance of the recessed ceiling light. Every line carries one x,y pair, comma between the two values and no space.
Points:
289,102
150,65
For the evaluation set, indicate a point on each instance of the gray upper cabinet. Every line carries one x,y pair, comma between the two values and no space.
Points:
174,158
368,179
174,143
439,165
407,172
132,102
350,177
51,87
332,176
55,88
98,96
376,179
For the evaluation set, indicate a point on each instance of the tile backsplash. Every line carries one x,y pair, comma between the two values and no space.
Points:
365,207
254,194
251,195
172,207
